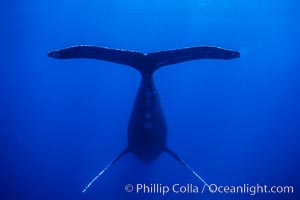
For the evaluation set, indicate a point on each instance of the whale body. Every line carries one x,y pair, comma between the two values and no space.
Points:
147,128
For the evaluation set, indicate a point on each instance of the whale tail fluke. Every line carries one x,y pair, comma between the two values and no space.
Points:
145,63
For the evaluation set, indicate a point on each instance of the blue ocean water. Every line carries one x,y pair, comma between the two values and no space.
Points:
234,122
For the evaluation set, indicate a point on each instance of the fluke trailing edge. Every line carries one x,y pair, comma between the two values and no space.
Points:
147,129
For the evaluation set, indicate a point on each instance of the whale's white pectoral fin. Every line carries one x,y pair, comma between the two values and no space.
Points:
106,168
176,157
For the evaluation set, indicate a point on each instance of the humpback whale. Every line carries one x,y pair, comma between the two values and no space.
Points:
147,128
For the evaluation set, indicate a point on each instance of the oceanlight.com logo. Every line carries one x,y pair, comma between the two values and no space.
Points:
163,189
248,189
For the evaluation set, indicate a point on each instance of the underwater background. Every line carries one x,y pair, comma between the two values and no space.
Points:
234,122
